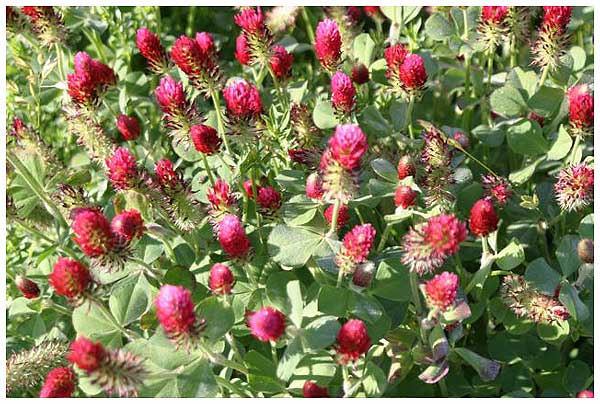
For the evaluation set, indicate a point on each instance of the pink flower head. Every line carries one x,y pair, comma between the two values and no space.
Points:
497,188
28,288
581,107
342,218
69,278
575,187
187,55
441,290
412,72
206,43
445,233
167,177
250,21
92,232
358,243
60,383
221,279
266,324
352,340
220,195
248,188
175,309
268,199
242,51
328,44
406,167
149,45
462,139
232,237
313,390
348,144
128,126
394,58
405,196
494,15
91,69
243,100
86,354
585,394
122,169
342,92
281,62
484,219
314,186
557,17
170,95
360,74
205,139
128,225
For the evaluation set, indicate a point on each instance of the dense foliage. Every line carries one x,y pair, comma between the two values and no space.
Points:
300,201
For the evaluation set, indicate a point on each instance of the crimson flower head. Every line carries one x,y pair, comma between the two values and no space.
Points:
175,309
250,20
242,51
86,354
342,92
281,62
219,195
581,107
94,70
149,45
205,139
342,218
406,167
441,290
268,199
497,188
60,383
484,219
358,242
167,177
394,58
221,279
314,186
427,245
69,278
585,394
266,324
360,74
122,169
348,144
248,188
352,340
372,11
494,15
170,95
575,187
187,55
405,196
412,72
28,288
128,126
313,390
92,232
557,17
206,43
128,225
242,100
232,236
328,44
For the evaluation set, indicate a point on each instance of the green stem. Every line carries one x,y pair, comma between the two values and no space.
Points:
414,289
484,245
211,178
467,75
571,158
334,217
59,61
309,29
465,24
58,308
340,278
544,76
274,354
513,51
282,98
230,339
220,124
409,112
384,237
221,360
110,108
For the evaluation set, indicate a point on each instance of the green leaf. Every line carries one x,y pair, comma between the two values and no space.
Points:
293,246
385,170
487,369
392,282
579,57
218,315
320,333
262,373
397,112
319,368
520,176
364,49
366,308
576,376
525,79
292,356
511,256
586,227
324,116
546,101
542,276
373,123
507,101
94,323
570,298
553,333
567,256
400,14
438,28
283,290
333,300
374,381
561,145
130,299
525,137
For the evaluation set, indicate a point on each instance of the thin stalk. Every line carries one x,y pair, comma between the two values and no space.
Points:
220,124
231,341
409,112
274,354
467,75
340,278
59,60
384,237
211,178
513,51
50,304
309,29
414,289
544,76
574,149
110,108
282,98
465,24
490,69
221,360
334,217
484,245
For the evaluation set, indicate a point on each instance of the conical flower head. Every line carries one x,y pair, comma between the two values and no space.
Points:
348,144
281,62
360,74
122,169
149,45
198,63
175,309
338,181
352,340
128,126
575,187
268,199
242,51
167,177
484,219
556,17
92,232
406,167
328,44
342,93
60,383
314,186
258,37
220,195
28,288
441,290
221,279
232,237
85,354
494,15
497,188
206,42
69,278
412,72
394,57
266,324
242,100
358,242
128,225
170,95
405,196
581,108
205,139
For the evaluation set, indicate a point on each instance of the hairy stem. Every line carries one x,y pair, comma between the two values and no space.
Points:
220,124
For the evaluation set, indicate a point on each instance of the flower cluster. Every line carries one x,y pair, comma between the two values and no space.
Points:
405,71
221,279
60,383
150,47
70,279
232,237
426,246
243,105
198,63
266,324
328,44
356,246
90,80
581,109
28,288
438,175
46,22
496,188
257,36
551,43
222,202
352,341
306,136
281,62
342,93
342,218
440,292
575,187
128,126
484,219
